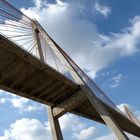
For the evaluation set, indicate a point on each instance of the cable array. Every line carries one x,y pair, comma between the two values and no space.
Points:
16,26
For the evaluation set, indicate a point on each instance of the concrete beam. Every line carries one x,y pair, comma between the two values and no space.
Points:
54,125
39,45
68,104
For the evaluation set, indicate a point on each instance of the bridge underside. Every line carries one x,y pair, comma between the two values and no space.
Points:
24,75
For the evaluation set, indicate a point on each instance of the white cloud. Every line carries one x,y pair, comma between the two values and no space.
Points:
80,38
102,9
116,80
38,3
68,31
29,129
19,102
79,129
116,46
33,129
25,105
92,74
33,107
3,100
74,123
86,134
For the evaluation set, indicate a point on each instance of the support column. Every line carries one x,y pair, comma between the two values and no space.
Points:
105,115
54,125
39,45
53,121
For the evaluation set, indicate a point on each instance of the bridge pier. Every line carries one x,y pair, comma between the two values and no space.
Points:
54,125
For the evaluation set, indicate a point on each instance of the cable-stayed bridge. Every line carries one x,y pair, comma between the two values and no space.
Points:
32,65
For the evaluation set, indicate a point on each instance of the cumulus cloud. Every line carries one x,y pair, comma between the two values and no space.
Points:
80,38
86,134
20,103
25,105
79,129
33,129
102,9
29,129
74,123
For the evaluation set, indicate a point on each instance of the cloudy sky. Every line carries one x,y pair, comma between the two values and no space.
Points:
102,36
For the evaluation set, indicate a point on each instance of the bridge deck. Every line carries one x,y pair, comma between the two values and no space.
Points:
24,75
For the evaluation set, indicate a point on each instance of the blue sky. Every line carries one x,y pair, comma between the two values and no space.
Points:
102,36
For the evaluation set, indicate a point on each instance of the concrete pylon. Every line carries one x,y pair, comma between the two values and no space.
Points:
54,125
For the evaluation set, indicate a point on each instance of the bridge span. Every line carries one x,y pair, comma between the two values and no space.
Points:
32,65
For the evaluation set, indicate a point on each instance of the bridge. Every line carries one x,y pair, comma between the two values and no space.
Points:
32,65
